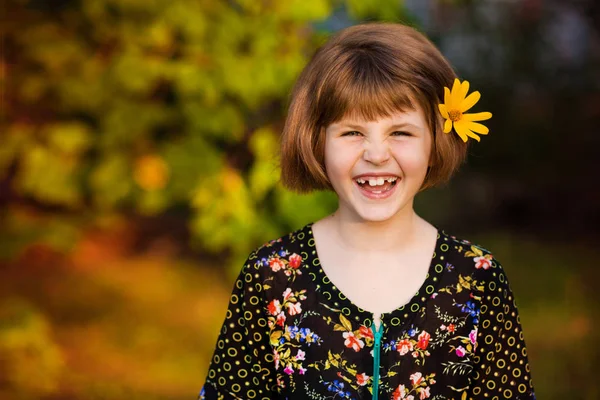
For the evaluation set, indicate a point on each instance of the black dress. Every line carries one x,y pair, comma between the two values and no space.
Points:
289,333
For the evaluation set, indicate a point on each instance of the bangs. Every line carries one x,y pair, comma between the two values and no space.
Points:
361,88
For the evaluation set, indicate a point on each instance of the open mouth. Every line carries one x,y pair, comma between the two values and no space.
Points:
377,185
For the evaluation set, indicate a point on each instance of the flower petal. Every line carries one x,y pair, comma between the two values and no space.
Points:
469,102
481,116
447,126
474,136
455,98
447,96
463,131
443,110
464,89
477,127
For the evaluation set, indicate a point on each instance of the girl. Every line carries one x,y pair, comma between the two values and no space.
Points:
373,301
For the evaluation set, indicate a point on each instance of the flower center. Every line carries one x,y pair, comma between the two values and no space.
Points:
454,115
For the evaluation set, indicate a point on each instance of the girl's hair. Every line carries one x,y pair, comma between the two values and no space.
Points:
369,71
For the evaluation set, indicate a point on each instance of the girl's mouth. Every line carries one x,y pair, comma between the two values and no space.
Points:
377,187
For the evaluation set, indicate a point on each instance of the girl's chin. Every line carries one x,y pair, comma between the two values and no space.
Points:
377,213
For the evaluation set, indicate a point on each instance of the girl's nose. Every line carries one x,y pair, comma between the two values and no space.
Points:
376,153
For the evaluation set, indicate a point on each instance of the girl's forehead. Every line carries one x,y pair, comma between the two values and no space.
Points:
408,115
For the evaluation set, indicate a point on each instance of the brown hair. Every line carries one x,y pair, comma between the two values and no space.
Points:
370,70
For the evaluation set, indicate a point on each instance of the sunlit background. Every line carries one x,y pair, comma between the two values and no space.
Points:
138,168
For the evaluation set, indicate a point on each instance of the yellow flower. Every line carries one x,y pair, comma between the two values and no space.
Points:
456,103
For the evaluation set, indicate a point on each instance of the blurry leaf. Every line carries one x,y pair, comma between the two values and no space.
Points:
151,172
297,210
110,181
385,10
31,363
70,137
12,144
49,176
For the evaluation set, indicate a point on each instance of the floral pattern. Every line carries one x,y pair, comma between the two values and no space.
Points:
289,333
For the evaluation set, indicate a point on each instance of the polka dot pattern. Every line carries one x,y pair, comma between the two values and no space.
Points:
290,332
242,364
501,363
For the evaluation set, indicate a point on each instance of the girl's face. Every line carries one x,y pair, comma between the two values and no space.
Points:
377,167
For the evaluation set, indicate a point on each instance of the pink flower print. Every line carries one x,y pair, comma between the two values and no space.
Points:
460,351
443,327
473,336
415,354
352,341
423,340
404,346
295,261
294,308
287,294
274,307
362,379
276,264
365,332
416,378
302,371
398,393
424,393
482,262
288,369
280,383
276,357
300,355
281,319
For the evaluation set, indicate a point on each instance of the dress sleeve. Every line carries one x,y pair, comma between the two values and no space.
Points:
501,366
242,365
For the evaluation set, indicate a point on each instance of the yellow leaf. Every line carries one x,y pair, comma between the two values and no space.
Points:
477,251
275,336
345,323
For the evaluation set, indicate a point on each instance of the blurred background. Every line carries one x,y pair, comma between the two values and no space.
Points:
138,168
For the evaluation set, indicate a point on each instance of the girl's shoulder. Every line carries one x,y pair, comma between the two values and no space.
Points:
470,258
286,252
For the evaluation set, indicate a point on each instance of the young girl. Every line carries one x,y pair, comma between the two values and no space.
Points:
373,301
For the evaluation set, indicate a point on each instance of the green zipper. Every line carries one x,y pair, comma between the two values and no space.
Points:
376,353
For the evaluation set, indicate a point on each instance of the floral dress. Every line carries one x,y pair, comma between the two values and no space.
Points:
290,333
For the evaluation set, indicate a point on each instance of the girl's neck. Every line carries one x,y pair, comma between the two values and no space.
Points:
397,233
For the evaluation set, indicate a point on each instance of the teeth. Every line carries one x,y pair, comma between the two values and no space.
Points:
377,181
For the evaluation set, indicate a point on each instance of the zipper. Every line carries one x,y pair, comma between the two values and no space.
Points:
377,333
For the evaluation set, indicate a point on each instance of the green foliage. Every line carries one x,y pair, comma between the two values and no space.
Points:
30,361
120,105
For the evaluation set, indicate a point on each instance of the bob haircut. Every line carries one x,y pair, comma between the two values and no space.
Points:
370,71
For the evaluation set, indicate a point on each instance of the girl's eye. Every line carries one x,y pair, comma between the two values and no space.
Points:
351,133
401,133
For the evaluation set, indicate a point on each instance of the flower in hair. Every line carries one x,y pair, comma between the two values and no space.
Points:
456,104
